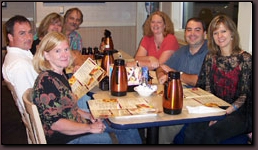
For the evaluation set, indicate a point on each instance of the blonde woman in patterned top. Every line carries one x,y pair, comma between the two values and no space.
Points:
63,121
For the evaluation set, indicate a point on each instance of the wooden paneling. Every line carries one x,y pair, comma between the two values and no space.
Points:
123,37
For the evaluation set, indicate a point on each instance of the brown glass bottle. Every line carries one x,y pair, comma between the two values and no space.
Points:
109,43
173,94
106,41
90,53
107,60
119,82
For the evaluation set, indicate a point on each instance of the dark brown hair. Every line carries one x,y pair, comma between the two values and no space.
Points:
197,19
8,27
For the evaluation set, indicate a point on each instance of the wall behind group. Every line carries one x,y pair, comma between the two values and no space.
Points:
94,13
17,8
118,17
126,33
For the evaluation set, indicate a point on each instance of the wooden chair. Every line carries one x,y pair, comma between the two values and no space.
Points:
33,116
15,97
22,111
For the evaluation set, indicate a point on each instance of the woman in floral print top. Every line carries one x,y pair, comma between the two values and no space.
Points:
227,73
62,120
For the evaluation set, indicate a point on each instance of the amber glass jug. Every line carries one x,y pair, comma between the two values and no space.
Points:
173,94
119,81
106,41
107,60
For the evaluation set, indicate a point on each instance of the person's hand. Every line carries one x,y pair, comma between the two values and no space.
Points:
229,110
97,127
212,122
162,79
166,68
154,62
94,120
131,64
75,68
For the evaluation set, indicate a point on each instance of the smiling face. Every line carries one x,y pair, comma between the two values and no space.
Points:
194,33
55,26
222,37
59,57
22,36
73,21
157,24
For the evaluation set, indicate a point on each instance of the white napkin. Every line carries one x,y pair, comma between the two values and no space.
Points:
203,109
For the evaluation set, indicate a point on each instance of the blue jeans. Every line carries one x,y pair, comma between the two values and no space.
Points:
83,104
102,138
128,136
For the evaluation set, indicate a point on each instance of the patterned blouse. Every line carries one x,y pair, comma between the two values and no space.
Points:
228,77
54,99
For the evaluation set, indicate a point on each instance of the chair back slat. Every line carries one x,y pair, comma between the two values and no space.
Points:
22,111
33,116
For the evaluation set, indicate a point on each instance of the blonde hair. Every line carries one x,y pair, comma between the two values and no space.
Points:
169,26
47,21
48,43
229,24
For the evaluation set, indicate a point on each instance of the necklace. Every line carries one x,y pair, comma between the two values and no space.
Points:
157,45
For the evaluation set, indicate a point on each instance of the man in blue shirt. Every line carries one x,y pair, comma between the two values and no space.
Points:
188,59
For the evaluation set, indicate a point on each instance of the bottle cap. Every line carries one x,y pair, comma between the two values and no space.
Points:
173,75
119,62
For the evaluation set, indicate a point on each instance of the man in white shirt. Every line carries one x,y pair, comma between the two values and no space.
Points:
17,68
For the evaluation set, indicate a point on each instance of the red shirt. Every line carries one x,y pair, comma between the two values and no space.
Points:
169,43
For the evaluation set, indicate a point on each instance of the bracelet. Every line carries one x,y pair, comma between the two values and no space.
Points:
234,106
137,63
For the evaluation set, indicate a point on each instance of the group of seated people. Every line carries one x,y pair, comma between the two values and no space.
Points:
212,60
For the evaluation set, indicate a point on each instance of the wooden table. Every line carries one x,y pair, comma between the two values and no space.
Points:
161,119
